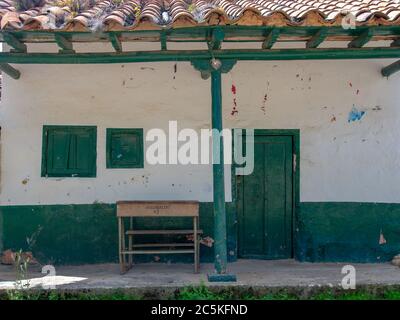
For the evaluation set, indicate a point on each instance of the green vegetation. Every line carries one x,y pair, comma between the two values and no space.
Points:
202,292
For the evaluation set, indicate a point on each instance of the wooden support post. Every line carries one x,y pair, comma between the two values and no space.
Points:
390,69
317,39
13,73
270,38
216,68
163,40
361,40
217,37
64,44
116,42
13,42
220,251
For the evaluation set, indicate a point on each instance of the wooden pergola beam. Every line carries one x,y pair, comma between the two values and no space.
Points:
189,55
12,72
270,38
64,44
13,42
115,42
317,39
361,40
390,69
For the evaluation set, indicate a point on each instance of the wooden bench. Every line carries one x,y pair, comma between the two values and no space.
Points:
154,209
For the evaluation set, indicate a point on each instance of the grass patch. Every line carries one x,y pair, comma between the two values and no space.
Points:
203,292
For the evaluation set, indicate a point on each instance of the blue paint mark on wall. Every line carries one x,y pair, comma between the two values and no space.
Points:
355,114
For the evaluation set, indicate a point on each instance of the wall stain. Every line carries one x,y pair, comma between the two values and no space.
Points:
234,109
175,70
265,99
147,68
264,104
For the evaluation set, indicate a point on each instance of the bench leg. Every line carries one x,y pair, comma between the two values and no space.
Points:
130,244
121,245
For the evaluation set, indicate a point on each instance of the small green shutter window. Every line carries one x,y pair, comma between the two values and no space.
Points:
69,151
125,148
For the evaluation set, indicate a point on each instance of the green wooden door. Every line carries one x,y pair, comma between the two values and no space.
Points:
265,201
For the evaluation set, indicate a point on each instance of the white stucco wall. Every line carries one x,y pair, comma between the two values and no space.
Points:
340,161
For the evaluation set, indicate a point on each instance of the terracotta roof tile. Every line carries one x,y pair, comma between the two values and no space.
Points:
109,15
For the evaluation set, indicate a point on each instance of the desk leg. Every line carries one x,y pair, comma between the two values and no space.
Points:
120,244
130,243
195,245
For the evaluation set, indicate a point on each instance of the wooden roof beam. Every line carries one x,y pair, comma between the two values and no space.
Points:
361,40
270,38
13,42
12,72
390,69
317,39
116,42
64,44
189,55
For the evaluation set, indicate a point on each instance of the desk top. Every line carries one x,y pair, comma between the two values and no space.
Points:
157,208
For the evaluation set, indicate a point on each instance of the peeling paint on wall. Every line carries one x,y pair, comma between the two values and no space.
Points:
382,239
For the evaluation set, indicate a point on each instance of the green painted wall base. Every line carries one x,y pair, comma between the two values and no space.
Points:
324,232
77,234
347,232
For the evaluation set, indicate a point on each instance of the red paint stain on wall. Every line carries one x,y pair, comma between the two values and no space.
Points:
234,109
264,104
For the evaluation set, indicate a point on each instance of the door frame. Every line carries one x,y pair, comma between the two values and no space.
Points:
295,135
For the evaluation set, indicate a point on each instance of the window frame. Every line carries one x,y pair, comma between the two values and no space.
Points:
109,162
91,173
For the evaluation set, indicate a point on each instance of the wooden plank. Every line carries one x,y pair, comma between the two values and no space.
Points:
158,251
151,245
190,231
157,208
189,55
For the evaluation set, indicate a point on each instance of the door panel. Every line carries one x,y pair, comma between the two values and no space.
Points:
265,200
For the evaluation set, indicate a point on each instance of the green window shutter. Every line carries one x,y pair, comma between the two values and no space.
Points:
124,148
69,151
